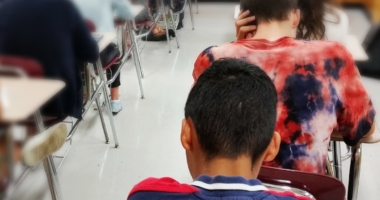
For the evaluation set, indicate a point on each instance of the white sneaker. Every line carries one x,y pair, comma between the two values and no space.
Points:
116,106
44,144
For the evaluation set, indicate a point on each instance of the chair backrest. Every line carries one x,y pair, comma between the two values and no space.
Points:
91,26
16,66
319,186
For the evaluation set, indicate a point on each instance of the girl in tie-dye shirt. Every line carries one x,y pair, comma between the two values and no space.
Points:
319,89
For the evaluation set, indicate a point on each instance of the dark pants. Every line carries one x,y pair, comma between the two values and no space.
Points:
107,55
110,73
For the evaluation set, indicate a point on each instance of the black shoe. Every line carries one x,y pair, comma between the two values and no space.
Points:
171,33
180,25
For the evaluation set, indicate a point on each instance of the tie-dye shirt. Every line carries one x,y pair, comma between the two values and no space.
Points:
319,90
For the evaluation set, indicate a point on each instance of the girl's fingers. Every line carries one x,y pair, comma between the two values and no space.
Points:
245,21
243,15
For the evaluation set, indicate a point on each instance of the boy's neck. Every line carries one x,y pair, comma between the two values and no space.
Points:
225,167
273,31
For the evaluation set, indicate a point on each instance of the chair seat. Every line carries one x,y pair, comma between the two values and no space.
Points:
29,66
330,189
112,62
48,121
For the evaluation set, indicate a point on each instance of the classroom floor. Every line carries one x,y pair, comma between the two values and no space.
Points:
149,129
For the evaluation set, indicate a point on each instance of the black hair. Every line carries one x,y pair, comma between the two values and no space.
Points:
268,10
233,108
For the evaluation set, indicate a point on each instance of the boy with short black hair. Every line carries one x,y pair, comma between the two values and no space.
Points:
228,131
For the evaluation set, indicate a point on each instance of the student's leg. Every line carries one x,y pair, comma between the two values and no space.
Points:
114,88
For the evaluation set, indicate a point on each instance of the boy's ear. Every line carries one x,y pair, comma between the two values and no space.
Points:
186,139
296,18
273,148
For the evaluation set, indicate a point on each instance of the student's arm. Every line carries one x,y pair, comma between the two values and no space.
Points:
355,112
123,9
244,27
85,47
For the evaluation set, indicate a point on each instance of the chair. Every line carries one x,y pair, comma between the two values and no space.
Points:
22,67
92,87
134,30
173,14
304,184
16,66
356,151
123,27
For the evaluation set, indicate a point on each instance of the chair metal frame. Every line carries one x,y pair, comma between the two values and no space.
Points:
196,3
169,9
355,163
132,29
183,10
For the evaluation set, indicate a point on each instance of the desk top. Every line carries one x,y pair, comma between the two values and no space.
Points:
21,97
356,49
137,9
374,138
106,39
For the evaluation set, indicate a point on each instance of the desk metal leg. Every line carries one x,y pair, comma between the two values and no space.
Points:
102,119
9,153
167,30
136,53
337,160
191,13
103,78
174,26
50,170
196,3
52,177
353,183
136,57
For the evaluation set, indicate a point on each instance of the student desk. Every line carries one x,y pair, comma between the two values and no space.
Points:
20,98
93,93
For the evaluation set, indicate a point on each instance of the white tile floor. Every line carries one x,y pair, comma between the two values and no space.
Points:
149,129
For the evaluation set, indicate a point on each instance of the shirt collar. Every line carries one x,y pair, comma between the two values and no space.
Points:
228,183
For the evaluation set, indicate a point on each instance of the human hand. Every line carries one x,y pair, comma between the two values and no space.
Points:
244,31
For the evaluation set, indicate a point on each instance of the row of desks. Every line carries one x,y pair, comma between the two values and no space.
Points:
21,97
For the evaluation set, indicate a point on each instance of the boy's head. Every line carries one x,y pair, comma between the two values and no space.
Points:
230,114
267,11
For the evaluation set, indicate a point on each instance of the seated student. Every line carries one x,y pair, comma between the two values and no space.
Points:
227,133
102,13
318,85
54,34
146,17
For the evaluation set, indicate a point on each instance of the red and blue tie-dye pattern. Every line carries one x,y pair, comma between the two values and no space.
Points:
319,90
